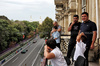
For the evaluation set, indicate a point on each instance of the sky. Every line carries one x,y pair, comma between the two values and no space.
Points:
23,9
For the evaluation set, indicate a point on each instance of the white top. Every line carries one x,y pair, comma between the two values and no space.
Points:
80,49
59,58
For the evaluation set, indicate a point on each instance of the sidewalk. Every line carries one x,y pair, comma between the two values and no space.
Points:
11,49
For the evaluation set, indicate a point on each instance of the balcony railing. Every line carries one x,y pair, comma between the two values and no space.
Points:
60,1
59,9
57,13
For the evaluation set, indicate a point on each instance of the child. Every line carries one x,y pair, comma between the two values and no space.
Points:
80,46
54,54
56,36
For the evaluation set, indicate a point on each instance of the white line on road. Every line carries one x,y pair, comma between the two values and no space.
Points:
37,55
13,56
15,59
28,55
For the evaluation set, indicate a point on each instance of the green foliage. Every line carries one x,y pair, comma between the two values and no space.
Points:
12,31
4,34
46,27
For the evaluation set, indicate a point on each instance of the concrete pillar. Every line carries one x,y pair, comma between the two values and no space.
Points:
79,9
70,17
66,24
93,16
87,6
99,24
99,17
63,23
90,9
60,23
72,10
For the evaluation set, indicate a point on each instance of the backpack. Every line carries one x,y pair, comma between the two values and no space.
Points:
81,61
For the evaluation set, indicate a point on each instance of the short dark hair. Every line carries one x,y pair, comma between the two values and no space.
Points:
51,43
55,27
83,38
76,16
85,13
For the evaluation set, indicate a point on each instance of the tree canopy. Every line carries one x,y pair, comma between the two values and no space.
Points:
13,31
46,27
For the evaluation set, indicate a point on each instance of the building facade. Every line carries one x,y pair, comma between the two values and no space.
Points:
65,9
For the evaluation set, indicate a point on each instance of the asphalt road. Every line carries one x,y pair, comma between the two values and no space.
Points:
30,58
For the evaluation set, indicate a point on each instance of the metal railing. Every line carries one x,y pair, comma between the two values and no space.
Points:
96,55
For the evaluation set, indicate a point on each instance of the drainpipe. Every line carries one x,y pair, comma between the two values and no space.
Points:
97,19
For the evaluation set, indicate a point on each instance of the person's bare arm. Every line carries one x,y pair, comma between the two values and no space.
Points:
52,31
51,34
94,38
79,36
47,54
79,32
70,27
59,30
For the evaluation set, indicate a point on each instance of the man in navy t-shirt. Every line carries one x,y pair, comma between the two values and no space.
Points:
90,30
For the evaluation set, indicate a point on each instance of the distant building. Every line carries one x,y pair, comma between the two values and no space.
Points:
40,21
31,18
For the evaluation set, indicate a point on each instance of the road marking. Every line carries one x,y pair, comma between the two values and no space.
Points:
37,55
15,60
14,55
28,55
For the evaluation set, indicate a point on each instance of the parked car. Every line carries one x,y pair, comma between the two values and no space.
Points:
24,51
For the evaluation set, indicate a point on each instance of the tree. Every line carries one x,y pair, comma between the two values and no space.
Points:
30,27
46,27
12,31
3,34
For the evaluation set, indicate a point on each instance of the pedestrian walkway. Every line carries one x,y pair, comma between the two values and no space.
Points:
91,64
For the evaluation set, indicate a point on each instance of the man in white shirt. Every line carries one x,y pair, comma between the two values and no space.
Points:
52,52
